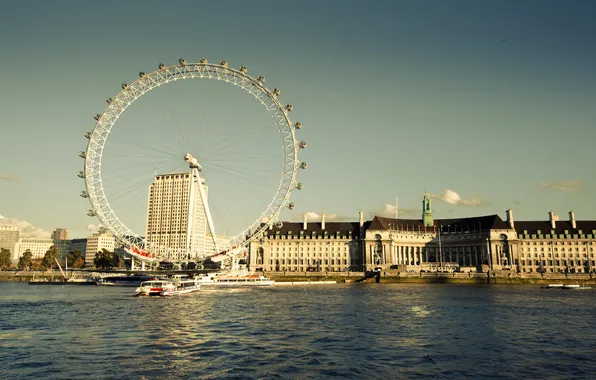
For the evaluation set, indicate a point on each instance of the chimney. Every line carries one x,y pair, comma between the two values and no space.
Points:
510,219
361,218
572,220
322,221
552,218
304,225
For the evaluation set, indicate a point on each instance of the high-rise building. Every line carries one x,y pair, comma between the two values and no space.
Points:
61,241
9,236
60,234
176,218
96,243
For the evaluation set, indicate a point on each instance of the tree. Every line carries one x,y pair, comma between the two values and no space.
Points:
75,259
106,259
26,261
4,258
49,260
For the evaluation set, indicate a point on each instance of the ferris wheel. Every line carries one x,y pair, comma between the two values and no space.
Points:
97,157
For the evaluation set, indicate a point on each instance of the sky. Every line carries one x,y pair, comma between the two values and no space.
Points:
487,105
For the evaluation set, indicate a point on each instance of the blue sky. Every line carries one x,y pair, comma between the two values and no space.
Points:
487,105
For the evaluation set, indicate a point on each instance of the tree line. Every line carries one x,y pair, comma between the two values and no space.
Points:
104,259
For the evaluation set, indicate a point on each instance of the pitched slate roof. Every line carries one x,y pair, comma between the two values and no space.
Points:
476,223
586,226
330,227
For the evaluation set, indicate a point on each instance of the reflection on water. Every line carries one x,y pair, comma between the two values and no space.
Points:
354,331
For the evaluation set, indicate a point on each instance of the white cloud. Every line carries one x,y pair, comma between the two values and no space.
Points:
568,186
452,197
9,177
388,211
93,228
26,229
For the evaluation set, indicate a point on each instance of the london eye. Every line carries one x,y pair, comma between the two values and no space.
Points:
242,181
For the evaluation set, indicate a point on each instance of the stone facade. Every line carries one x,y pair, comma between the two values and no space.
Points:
309,246
475,244
556,246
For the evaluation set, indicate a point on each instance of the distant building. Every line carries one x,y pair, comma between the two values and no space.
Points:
176,222
9,236
96,243
60,234
61,241
79,245
37,247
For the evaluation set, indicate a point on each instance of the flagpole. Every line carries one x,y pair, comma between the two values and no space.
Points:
396,209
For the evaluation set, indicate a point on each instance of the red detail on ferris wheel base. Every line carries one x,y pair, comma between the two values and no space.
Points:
140,251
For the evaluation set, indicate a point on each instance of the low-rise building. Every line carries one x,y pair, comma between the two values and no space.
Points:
37,247
96,243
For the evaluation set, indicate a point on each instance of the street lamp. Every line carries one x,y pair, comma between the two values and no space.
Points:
440,247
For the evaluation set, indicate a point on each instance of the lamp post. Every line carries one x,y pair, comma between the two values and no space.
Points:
440,247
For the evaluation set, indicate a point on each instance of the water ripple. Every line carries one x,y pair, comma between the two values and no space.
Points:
345,331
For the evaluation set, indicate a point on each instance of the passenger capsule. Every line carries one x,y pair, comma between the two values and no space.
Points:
124,86
203,61
84,194
109,100
223,63
182,61
299,186
161,66
279,224
81,174
291,206
142,74
91,213
261,79
303,165
243,69
276,92
96,116
82,154
302,144
289,107
298,125
87,135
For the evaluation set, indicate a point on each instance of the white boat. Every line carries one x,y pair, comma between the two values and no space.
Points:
183,286
126,280
153,288
164,288
576,286
234,280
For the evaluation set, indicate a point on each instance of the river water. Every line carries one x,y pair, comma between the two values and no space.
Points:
384,331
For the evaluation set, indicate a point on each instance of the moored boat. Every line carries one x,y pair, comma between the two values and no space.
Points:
131,280
233,280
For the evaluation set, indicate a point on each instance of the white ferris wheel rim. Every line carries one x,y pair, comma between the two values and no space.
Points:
165,74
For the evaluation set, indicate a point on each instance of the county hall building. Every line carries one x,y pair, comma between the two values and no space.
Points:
473,244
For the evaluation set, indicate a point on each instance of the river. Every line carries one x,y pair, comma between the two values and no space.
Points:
384,331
